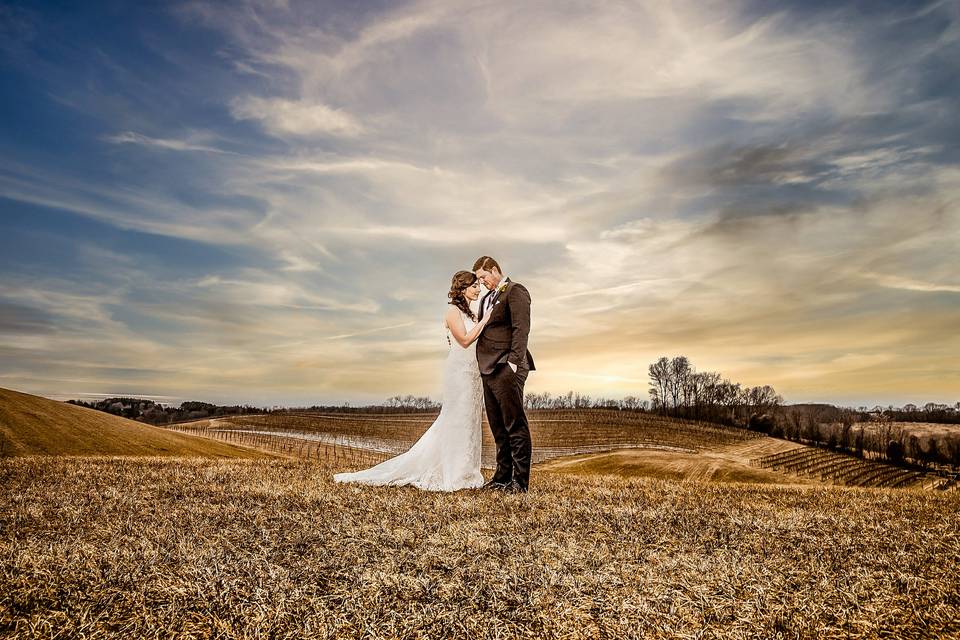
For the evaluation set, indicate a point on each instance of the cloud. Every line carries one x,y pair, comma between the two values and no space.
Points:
130,137
299,118
370,331
19,319
143,208
272,292
767,191
909,284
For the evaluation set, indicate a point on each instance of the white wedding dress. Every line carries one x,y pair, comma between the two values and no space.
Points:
447,455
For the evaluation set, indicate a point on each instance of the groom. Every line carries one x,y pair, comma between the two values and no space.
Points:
504,365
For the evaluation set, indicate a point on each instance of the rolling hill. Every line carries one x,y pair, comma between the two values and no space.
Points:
722,463
31,426
580,442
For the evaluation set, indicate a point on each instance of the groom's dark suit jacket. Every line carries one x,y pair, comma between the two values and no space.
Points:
504,339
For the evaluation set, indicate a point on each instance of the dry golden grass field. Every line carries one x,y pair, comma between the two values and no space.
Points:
681,539
161,548
713,466
30,425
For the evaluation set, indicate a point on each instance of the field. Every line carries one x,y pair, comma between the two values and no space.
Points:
845,469
554,433
923,430
30,425
720,464
578,442
635,527
256,549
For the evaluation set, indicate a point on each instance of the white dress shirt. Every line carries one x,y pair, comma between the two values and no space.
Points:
488,307
489,303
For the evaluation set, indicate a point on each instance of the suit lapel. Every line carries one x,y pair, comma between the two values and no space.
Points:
497,293
483,305
493,303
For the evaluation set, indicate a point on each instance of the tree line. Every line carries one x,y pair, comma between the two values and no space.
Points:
576,400
929,412
143,410
678,389
878,435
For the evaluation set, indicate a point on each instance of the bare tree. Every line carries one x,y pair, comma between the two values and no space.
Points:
677,385
659,376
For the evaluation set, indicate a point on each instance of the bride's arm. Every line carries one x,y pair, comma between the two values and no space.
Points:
459,331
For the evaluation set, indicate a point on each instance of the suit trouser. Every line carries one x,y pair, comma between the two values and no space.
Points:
503,397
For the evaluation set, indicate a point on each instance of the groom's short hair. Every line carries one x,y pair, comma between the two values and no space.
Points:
486,263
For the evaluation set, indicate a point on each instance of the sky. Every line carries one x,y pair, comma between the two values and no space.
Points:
264,202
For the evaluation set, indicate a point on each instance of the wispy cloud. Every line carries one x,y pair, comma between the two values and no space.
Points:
130,137
909,284
370,331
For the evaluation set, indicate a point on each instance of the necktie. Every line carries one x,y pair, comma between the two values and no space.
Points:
493,294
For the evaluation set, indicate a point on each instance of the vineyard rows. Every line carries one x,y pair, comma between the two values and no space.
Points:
847,470
365,450
336,449
365,439
362,441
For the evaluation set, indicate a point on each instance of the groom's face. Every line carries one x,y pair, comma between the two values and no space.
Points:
490,279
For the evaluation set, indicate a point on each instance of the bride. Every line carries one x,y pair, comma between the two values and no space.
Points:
447,455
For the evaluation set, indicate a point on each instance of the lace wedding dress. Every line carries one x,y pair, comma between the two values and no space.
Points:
447,455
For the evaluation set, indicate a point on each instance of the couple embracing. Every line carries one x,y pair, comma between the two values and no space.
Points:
487,365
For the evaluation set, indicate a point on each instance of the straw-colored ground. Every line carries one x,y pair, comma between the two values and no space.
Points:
724,463
273,549
32,426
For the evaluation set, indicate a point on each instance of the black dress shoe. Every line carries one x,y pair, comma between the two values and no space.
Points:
495,485
515,487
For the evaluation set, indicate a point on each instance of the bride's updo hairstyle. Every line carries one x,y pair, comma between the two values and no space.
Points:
460,281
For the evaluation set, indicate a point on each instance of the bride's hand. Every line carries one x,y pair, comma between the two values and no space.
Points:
485,319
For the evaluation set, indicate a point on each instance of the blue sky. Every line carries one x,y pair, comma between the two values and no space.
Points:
264,201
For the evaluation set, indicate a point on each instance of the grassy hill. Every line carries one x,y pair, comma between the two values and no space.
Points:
31,425
578,442
724,463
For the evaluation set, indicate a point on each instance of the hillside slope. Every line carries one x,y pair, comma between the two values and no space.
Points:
31,425
723,463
